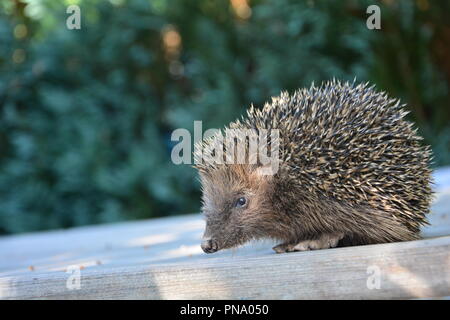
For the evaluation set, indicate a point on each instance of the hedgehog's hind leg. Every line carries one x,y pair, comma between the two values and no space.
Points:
325,241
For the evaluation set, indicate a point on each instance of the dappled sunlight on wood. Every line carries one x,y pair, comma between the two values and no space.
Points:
408,280
152,240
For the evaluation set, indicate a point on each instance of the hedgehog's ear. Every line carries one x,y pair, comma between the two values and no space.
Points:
266,171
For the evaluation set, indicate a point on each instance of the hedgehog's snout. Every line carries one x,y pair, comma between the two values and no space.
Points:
209,246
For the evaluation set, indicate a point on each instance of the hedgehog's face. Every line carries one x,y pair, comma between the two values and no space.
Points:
235,205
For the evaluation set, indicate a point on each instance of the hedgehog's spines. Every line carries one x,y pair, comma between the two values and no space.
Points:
349,142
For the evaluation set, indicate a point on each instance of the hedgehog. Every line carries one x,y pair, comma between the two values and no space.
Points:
352,171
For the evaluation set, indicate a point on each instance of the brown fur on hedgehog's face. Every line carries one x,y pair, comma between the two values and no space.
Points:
236,206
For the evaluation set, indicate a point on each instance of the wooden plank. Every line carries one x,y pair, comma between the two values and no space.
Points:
145,242
417,269
161,258
439,217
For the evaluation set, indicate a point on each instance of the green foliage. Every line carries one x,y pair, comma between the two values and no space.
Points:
86,115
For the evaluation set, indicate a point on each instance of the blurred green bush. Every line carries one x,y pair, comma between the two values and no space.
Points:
86,115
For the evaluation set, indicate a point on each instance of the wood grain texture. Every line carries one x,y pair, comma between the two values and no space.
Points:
417,269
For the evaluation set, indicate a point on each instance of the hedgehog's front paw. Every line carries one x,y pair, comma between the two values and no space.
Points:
324,242
283,247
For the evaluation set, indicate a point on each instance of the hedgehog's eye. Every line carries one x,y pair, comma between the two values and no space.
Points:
241,202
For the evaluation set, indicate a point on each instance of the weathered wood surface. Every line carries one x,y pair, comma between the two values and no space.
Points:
161,259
